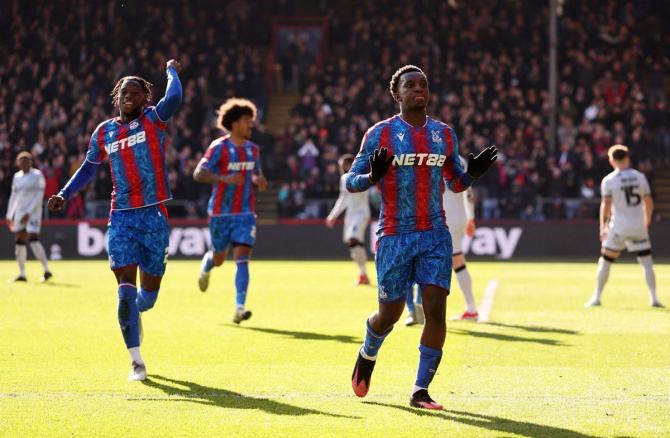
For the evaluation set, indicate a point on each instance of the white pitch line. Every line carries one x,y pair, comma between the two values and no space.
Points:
486,305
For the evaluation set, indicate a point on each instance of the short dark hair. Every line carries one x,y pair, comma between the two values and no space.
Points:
233,109
116,92
395,79
618,152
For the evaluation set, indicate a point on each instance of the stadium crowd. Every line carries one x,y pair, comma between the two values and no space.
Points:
487,68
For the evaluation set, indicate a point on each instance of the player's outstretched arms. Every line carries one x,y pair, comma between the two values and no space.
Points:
477,166
168,105
379,163
205,176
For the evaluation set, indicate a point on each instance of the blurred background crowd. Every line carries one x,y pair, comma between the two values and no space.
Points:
487,65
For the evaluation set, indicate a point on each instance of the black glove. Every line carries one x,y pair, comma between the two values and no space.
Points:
477,166
379,164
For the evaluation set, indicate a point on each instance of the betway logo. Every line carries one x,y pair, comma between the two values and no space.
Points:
124,143
493,242
242,165
187,241
419,160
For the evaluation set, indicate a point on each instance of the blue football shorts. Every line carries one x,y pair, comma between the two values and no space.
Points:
422,257
140,237
233,229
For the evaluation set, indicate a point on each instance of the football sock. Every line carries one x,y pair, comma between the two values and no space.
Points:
602,275
429,360
373,341
146,299
419,297
129,315
135,355
241,280
358,255
649,275
39,253
409,300
21,253
207,262
465,282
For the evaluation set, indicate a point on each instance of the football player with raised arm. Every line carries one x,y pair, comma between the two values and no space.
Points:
134,143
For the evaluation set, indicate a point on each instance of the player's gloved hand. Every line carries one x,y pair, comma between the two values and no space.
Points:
477,166
379,164
55,203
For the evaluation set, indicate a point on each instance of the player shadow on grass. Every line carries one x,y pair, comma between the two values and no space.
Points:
490,422
534,328
184,391
309,336
52,283
507,338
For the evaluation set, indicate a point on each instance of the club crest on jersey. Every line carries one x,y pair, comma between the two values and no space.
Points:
401,136
134,124
419,160
436,136
124,143
242,165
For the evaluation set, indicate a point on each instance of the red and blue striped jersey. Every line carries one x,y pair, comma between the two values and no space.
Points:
137,164
424,158
223,157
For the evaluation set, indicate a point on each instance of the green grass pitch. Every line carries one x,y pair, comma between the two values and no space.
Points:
542,366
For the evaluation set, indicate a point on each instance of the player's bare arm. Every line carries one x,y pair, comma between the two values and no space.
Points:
648,209
202,175
605,214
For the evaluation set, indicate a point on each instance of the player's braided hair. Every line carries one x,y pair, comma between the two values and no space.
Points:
233,109
395,79
116,92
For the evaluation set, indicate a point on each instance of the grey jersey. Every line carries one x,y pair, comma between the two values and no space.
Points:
627,188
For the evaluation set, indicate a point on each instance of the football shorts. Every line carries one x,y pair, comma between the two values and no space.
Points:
233,229
635,240
422,257
140,237
33,226
354,228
